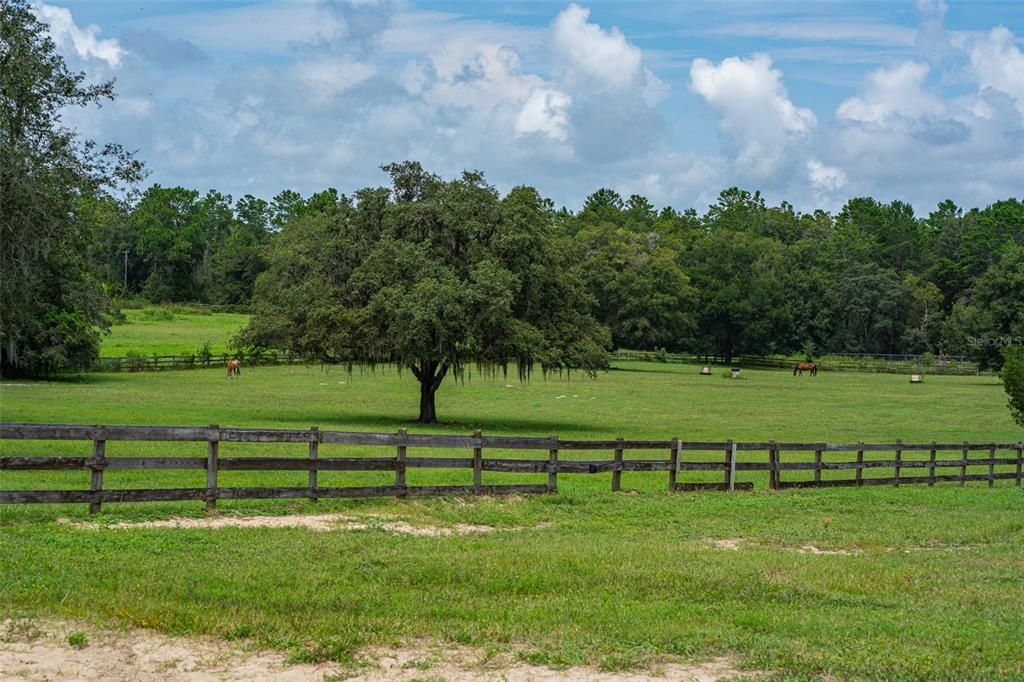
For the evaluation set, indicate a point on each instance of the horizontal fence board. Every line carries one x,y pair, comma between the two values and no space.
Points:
511,489
646,465
304,464
614,444
439,462
287,493
142,495
893,481
43,463
155,463
891,463
515,443
524,466
266,436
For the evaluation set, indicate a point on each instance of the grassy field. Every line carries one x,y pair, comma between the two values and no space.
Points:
161,330
917,583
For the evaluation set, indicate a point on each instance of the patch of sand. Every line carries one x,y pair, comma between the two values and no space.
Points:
41,652
736,543
320,522
811,549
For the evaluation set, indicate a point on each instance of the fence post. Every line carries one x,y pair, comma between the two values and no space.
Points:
478,463
732,467
212,451
1020,461
617,471
772,466
99,463
991,465
860,463
553,465
899,458
817,465
673,465
314,455
963,464
400,466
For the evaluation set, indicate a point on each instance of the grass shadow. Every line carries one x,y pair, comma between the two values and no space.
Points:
461,424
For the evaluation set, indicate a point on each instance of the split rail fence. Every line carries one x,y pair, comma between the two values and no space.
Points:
1001,461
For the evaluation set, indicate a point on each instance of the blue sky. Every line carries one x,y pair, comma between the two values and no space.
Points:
812,103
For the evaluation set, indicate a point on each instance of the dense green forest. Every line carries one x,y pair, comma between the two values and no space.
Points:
431,273
742,278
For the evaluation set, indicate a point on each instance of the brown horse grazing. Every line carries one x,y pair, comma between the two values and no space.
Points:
809,366
234,368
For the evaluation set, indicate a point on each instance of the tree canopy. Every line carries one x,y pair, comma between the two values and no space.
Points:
52,303
430,275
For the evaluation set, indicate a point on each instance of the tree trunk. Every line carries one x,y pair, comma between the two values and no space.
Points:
428,413
430,378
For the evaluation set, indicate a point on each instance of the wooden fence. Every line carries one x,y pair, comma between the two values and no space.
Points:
678,461
833,362
156,363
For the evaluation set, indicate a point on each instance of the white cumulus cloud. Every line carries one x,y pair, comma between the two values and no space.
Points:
590,51
545,111
66,33
757,116
998,63
892,93
825,178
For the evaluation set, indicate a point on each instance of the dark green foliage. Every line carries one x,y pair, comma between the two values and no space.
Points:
993,316
1012,375
431,276
52,304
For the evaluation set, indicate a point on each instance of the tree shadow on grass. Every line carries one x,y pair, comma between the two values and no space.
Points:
461,424
86,378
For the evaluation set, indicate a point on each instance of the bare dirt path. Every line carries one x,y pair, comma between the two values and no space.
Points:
62,651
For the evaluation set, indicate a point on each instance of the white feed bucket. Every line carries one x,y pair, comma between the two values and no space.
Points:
705,371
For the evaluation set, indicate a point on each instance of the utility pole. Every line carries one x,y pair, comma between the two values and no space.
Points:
126,271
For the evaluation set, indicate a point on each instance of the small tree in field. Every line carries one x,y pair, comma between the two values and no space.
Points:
1012,375
428,275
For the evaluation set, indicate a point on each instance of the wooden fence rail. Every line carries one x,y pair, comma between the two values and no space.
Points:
838,362
156,363
678,461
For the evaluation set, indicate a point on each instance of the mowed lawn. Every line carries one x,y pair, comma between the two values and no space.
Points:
161,330
877,582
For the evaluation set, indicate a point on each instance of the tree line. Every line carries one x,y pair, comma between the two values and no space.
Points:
742,278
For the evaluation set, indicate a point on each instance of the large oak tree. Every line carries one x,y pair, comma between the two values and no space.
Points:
52,305
430,275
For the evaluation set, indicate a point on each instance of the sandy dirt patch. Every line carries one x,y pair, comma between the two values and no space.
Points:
39,651
319,522
735,543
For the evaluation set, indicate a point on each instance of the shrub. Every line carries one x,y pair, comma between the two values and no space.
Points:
1012,375
155,315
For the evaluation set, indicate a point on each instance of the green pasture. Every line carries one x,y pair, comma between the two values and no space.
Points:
170,330
915,582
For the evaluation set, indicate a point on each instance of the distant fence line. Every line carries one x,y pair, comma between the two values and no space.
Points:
860,362
954,365
678,461
156,363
